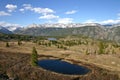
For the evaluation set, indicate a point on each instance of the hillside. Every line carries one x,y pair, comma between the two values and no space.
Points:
96,31
114,34
62,29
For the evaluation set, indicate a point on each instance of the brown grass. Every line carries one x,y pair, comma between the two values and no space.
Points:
110,62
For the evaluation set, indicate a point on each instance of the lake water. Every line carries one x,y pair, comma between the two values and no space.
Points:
63,67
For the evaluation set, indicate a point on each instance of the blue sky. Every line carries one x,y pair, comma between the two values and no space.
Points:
25,12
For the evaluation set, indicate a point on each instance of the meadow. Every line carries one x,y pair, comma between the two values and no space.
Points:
102,57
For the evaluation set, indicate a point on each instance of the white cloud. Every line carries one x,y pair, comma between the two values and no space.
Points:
22,10
11,7
3,13
43,10
110,21
48,16
90,21
38,9
5,24
71,12
65,20
46,13
27,6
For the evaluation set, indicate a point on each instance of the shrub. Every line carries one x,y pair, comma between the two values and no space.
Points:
19,42
113,52
7,44
65,48
87,52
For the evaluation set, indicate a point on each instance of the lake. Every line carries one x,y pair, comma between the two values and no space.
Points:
63,67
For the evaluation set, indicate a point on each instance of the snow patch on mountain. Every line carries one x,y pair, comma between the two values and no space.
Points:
61,25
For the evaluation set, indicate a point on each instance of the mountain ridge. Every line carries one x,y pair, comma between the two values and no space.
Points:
93,30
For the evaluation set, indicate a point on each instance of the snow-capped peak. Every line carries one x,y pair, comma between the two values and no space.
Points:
32,26
70,25
12,28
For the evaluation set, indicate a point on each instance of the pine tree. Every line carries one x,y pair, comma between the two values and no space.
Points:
101,48
34,57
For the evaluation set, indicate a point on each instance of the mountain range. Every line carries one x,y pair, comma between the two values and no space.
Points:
5,30
93,30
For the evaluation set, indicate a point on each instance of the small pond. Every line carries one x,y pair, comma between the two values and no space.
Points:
63,67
